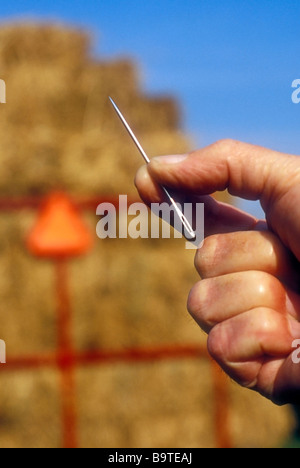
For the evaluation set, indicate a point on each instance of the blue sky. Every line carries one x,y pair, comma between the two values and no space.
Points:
229,63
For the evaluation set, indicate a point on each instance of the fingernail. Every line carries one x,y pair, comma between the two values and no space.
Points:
170,159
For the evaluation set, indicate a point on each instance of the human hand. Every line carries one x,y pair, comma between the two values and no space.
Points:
249,298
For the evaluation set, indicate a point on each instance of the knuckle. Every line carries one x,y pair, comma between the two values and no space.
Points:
267,323
269,291
204,258
193,300
225,145
261,283
215,344
198,306
265,287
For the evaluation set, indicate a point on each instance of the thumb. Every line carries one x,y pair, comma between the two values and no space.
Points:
247,171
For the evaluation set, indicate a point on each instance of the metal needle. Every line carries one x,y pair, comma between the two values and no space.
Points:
184,221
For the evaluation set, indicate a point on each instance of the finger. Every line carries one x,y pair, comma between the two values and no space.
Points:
219,217
211,300
243,251
247,171
242,344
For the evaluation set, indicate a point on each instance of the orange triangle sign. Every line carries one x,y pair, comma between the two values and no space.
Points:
59,230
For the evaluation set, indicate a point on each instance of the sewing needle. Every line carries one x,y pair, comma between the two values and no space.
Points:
181,216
